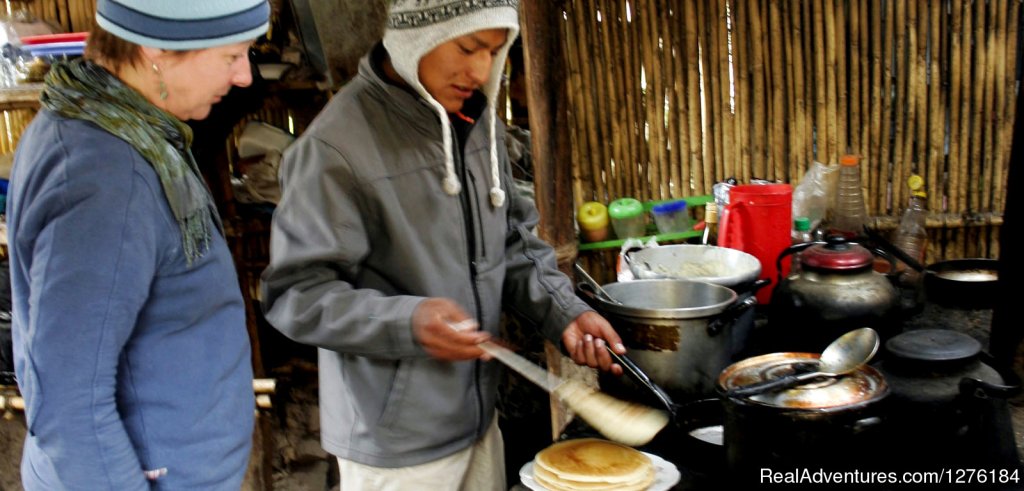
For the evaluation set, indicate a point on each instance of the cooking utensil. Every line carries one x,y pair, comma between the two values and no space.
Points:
640,376
837,290
626,422
969,283
844,355
595,285
673,332
837,423
719,265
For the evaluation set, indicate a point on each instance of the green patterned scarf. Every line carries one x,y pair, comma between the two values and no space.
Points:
83,90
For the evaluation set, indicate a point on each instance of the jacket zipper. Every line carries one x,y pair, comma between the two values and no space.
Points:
465,197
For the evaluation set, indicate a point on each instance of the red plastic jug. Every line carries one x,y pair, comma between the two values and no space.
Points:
758,220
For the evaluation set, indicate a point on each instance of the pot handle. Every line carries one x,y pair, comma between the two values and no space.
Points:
865,424
638,374
731,313
753,287
793,249
972,387
891,250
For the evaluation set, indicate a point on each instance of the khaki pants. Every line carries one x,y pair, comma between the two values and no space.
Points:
480,467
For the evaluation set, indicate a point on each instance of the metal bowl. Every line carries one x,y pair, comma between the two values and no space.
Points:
718,265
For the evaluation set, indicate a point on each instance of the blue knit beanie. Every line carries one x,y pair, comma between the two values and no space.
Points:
184,24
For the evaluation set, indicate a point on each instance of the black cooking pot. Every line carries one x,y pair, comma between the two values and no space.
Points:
831,424
948,403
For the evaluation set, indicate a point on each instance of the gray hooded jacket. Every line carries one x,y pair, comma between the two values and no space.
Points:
363,233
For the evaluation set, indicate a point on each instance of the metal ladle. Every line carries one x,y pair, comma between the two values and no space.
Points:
844,355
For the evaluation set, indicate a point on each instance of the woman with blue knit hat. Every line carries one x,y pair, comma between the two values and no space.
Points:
398,243
129,326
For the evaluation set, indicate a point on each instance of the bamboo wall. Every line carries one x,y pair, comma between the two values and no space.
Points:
912,86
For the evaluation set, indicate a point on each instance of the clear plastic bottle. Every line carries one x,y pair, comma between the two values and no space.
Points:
802,230
801,234
850,214
912,237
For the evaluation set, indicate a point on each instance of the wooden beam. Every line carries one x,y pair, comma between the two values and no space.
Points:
549,124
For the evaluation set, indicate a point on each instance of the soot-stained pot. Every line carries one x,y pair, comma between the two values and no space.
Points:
947,405
963,283
730,268
830,423
835,291
677,331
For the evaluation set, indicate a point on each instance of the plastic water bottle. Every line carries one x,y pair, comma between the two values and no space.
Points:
801,234
912,237
802,230
850,214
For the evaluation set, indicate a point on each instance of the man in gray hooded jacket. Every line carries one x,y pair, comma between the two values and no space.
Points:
398,221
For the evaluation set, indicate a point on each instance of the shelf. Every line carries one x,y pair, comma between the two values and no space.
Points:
617,243
24,96
691,202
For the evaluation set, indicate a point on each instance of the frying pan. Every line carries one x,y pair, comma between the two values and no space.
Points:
963,283
970,283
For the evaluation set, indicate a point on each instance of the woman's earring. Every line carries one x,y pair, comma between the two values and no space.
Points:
163,86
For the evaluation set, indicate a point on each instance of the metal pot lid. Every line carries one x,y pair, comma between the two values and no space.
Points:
863,386
836,254
933,345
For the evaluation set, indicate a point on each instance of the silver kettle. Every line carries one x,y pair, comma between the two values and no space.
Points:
835,289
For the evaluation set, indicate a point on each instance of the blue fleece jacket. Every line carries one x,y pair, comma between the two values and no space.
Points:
129,359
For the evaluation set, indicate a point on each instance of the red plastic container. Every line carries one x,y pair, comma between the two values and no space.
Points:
758,220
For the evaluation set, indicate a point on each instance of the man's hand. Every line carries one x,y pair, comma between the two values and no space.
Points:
585,338
446,332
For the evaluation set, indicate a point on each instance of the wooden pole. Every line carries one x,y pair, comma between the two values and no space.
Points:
879,96
1005,144
701,177
780,115
824,153
956,53
545,88
549,126
936,106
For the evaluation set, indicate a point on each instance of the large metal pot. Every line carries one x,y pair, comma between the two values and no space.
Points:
677,331
730,268
831,423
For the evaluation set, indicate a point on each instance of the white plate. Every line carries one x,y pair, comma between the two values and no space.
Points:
666,475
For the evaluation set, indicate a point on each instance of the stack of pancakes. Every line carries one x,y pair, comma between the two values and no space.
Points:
591,464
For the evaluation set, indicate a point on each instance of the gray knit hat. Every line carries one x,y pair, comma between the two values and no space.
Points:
416,27
184,24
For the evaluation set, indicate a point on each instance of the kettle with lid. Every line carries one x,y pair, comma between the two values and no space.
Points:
834,290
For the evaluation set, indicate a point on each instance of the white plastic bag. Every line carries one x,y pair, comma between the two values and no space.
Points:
622,271
812,196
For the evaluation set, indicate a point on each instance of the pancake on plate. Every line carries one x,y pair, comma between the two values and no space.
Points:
592,464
